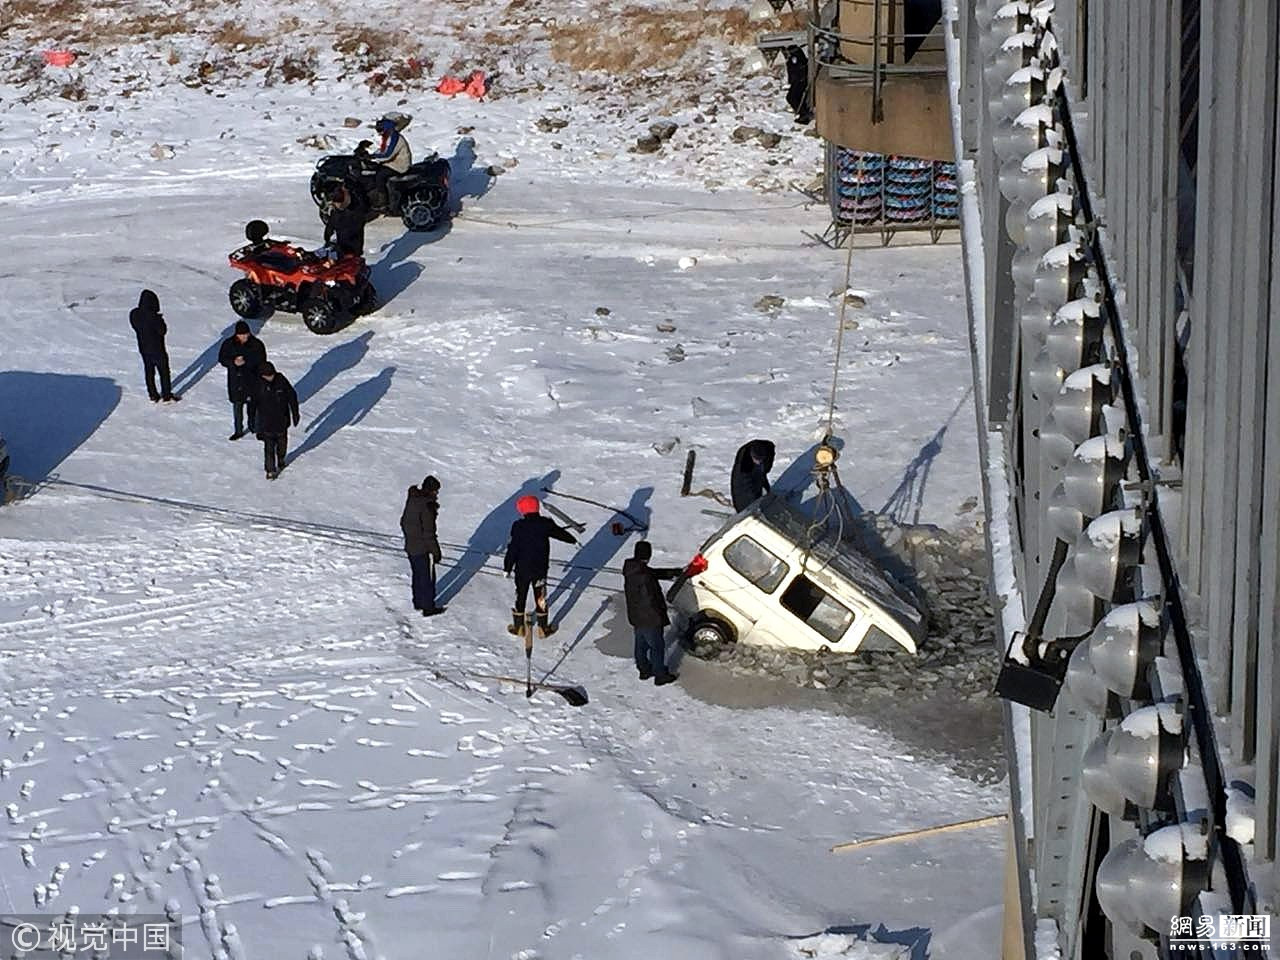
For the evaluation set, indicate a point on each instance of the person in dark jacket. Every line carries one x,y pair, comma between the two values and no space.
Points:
242,354
418,521
344,227
750,479
149,326
798,84
529,556
277,407
647,611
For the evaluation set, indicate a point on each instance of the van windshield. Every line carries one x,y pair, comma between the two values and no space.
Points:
755,563
817,608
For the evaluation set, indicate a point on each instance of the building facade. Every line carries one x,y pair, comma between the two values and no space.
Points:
1118,170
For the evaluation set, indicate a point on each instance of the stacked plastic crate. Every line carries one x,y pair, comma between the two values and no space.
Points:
869,188
908,184
859,186
946,193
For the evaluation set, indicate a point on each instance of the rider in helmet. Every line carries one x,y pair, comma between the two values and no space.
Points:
393,156
394,151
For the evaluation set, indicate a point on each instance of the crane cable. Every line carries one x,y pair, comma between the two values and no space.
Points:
828,501
835,373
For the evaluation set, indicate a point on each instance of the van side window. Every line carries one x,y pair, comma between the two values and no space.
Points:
817,608
877,639
755,563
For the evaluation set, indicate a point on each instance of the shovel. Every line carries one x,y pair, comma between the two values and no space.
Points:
573,694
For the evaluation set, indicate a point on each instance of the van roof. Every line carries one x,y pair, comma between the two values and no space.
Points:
842,557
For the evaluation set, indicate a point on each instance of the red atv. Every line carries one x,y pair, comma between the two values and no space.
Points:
328,293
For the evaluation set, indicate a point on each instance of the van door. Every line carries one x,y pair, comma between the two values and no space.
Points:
822,619
745,579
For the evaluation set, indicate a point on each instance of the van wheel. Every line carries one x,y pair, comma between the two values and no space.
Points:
709,633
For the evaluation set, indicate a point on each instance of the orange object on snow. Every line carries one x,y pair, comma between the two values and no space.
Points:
450,85
474,86
59,58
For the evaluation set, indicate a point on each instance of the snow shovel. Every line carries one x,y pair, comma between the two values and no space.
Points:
573,694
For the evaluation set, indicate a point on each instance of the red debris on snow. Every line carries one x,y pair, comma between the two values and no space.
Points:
474,86
59,58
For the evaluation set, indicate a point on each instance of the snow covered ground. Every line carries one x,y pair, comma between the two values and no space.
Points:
215,693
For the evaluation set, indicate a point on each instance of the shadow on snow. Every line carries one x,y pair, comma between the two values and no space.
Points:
595,553
395,271
350,408
45,417
332,362
489,538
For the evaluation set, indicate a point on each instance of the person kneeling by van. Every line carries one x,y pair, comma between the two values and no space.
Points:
647,612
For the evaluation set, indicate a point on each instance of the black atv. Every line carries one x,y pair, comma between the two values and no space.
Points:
419,196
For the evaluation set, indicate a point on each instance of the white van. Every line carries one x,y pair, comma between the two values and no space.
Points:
766,578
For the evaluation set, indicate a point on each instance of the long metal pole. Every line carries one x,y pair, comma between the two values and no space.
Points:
814,14
877,109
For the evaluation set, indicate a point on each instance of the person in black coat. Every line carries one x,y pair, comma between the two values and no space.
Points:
418,522
242,354
149,327
529,556
277,407
647,611
750,478
798,84
344,227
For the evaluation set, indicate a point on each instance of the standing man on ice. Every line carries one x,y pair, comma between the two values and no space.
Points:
149,327
647,612
418,522
529,555
242,354
277,406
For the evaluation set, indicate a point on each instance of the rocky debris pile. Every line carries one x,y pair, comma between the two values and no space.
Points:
948,571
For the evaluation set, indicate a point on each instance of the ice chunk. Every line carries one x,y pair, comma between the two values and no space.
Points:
1073,311
1240,812
1047,940
1041,159
1106,530
1083,378
1063,253
1027,38
1098,449
1165,845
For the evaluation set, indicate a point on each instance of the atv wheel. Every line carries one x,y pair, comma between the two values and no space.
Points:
421,212
246,299
320,316
319,188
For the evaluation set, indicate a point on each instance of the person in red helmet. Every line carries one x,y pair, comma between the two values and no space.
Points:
529,557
